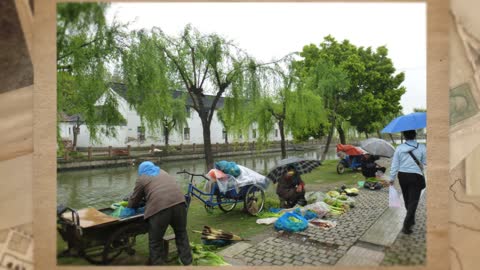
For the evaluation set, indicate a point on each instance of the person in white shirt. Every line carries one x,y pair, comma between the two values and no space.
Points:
407,163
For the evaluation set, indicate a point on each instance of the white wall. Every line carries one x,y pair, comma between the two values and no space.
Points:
66,131
133,122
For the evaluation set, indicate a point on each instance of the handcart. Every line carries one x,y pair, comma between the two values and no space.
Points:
96,236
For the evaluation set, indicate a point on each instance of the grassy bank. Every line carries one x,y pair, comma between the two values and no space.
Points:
235,221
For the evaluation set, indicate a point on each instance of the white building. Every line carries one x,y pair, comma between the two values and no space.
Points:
131,133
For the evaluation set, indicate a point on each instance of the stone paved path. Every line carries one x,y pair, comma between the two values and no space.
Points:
329,247
410,249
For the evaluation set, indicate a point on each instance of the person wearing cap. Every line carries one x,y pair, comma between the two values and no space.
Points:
291,189
408,161
165,205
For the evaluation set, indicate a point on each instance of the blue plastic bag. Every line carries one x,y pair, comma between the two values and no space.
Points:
291,222
124,212
309,214
228,167
275,210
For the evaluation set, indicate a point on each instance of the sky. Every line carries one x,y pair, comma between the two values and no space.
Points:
269,31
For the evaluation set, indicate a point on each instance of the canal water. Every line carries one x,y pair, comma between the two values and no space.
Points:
101,187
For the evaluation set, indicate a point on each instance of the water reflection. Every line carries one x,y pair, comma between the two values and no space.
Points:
101,187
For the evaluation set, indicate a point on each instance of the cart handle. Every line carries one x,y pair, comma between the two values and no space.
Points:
191,174
75,217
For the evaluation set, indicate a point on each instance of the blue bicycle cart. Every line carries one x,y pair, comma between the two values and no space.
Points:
252,196
352,162
350,157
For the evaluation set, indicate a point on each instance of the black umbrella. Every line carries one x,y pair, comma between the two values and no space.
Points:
301,165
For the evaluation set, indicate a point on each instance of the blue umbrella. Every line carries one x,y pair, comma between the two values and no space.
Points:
411,121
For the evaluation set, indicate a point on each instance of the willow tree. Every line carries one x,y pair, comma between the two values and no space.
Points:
284,105
331,83
85,45
151,86
207,67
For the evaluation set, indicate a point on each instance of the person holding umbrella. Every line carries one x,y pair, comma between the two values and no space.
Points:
291,189
408,161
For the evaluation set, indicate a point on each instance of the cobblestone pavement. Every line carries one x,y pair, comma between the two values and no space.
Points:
320,247
325,247
410,249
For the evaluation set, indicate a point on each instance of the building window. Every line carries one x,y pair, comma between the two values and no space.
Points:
69,131
276,133
186,134
224,134
254,133
141,133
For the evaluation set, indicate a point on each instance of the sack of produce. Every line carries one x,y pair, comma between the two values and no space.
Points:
306,213
123,212
118,204
228,167
372,185
320,208
314,196
322,224
333,193
291,222
267,221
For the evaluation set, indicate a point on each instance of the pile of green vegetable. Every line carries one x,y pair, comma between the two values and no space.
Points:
338,203
203,256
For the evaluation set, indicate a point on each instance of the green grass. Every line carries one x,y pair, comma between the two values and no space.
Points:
236,221
327,174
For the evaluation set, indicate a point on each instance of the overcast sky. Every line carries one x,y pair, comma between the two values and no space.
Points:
271,30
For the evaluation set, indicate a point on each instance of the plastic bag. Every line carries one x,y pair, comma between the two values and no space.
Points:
228,167
306,213
315,196
267,221
322,224
118,204
320,208
215,174
124,212
225,185
393,198
291,222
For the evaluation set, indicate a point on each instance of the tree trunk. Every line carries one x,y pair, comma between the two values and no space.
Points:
341,134
401,137
379,134
366,135
207,143
282,138
391,138
329,139
166,135
226,137
76,130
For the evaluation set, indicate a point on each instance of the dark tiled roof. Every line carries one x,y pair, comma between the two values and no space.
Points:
121,89
70,118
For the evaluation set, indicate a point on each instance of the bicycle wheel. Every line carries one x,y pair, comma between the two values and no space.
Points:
225,204
340,168
254,200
